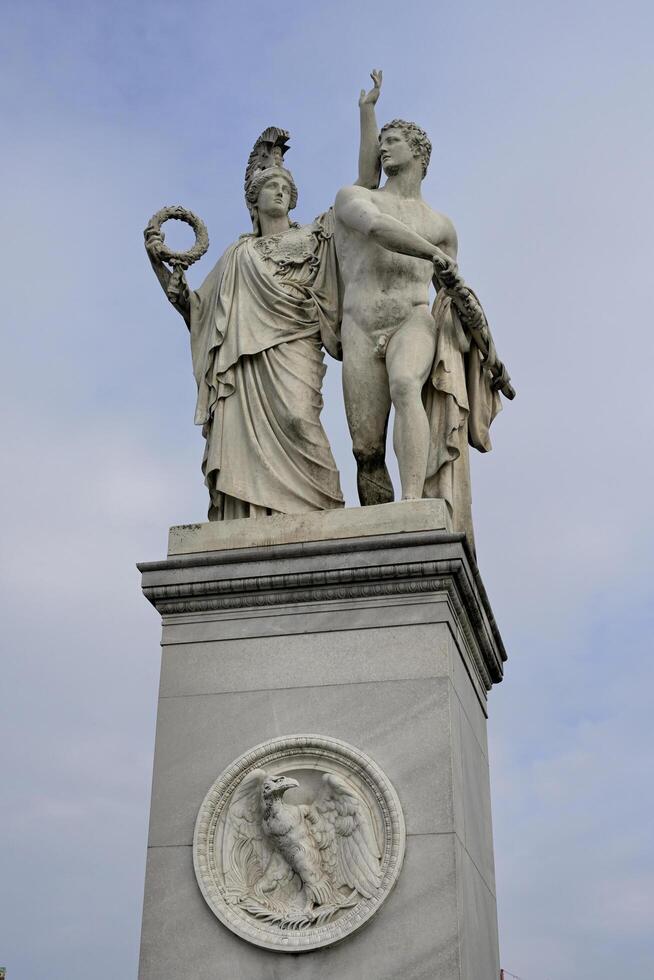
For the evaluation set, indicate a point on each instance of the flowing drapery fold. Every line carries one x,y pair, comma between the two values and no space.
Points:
256,343
461,404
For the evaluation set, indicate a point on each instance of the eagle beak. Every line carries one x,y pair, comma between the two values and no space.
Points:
290,783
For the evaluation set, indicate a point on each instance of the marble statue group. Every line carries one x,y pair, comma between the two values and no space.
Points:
355,282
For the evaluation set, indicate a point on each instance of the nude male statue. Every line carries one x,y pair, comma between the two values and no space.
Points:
387,242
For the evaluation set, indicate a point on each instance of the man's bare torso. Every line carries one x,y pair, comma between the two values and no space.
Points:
382,288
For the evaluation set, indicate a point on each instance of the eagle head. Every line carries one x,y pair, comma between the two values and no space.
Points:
274,787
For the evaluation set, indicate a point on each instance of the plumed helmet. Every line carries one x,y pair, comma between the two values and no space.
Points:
265,161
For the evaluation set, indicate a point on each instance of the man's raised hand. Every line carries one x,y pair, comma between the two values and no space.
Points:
370,98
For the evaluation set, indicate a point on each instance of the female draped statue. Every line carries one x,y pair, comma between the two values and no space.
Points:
258,326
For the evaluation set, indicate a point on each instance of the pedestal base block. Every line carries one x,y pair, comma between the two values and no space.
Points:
349,629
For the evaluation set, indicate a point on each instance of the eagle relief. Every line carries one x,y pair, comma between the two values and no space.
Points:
299,842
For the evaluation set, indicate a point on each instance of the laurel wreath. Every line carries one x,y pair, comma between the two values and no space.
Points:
180,260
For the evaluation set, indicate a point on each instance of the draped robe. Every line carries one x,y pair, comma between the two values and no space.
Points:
460,404
257,332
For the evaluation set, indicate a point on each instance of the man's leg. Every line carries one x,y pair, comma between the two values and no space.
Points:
409,359
367,405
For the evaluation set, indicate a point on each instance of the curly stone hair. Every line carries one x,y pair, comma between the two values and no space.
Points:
416,138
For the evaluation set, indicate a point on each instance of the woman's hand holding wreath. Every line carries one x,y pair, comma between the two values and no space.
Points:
159,253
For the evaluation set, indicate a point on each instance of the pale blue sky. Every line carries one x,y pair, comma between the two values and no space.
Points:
541,119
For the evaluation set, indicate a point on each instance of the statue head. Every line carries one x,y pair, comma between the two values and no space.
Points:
400,142
273,189
265,166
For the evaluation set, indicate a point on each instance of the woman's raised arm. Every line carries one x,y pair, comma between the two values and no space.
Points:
176,292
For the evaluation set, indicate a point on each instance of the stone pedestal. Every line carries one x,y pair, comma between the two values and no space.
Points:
367,625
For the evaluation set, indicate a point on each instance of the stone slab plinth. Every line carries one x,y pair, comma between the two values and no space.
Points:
366,625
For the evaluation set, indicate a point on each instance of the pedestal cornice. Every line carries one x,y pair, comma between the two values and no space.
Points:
390,565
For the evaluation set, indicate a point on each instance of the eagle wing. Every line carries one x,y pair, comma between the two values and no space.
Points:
246,852
343,830
254,870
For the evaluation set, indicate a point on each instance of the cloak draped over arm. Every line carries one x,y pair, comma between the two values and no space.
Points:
460,404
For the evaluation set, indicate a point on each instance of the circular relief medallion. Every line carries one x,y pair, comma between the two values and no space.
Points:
298,842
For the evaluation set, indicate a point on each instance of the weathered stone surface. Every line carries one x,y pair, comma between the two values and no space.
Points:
415,515
298,659
476,833
415,935
199,736
479,947
385,641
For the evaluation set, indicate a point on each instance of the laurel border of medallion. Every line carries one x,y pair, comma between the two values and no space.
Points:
291,749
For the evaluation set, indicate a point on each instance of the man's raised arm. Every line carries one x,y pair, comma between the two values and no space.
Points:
369,161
